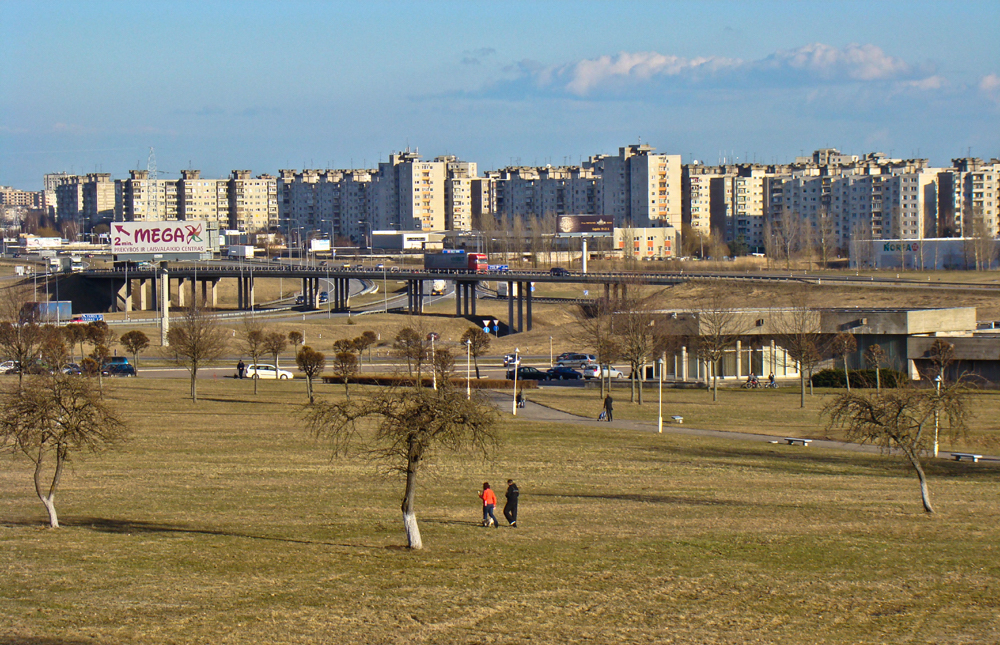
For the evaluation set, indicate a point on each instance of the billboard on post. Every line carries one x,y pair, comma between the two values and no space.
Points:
158,237
585,224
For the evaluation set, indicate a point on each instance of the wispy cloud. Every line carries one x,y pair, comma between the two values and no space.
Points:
815,64
476,56
990,86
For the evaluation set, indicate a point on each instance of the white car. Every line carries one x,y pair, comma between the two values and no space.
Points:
8,367
592,371
267,371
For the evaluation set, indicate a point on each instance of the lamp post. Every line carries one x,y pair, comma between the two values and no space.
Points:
385,291
551,364
937,386
434,376
659,423
516,363
468,369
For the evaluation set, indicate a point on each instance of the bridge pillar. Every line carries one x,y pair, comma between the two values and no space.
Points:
528,297
520,306
510,308
143,298
128,296
420,297
474,289
459,286
607,291
215,293
194,293
239,294
204,293
180,292
250,292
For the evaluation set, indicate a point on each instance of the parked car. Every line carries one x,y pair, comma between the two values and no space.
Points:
560,373
576,360
8,367
72,368
267,372
528,374
118,369
558,272
508,360
118,360
592,371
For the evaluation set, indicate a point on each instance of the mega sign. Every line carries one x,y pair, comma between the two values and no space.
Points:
158,237
901,246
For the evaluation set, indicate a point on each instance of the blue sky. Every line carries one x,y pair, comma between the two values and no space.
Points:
91,86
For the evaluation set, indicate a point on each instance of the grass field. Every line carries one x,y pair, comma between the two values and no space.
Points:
226,523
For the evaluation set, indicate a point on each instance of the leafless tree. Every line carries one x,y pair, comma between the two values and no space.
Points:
311,363
52,420
720,324
295,338
134,342
895,421
941,354
597,330
443,364
21,329
634,329
275,343
76,334
253,343
874,357
825,235
197,339
364,343
52,351
983,241
478,342
411,345
842,345
798,332
345,365
409,425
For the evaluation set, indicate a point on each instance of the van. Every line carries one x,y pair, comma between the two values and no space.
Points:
576,360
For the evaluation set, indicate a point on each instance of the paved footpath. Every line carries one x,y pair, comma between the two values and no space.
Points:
537,412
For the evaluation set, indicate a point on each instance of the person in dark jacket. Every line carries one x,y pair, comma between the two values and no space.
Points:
609,406
241,369
510,507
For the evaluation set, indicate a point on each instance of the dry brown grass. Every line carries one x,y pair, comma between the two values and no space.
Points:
225,523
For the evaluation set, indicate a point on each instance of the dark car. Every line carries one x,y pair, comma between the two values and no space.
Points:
323,297
118,369
528,374
72,368
560,373
558,272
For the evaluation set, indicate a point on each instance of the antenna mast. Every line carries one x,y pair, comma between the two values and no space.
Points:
153,199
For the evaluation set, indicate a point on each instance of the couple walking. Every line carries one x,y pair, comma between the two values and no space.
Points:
490,501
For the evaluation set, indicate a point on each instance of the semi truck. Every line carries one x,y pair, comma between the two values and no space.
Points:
438,287
456,261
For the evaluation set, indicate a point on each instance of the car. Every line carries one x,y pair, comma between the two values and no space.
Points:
592,371
117,360
526,373
323,297
8,367
259,370
72,368
560,373
118,369
576,360
509,359
558,272
300,300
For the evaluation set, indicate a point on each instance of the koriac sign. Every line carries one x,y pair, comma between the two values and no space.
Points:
913,247
158,237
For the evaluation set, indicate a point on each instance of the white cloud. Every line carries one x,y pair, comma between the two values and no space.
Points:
990,86
927,84
814,62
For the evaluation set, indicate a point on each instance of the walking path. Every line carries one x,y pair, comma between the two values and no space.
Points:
538,412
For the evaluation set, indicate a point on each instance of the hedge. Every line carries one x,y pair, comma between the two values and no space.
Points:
859,378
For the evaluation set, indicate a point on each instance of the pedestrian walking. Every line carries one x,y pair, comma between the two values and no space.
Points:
510,507
489,503
520,398
241,369
609,406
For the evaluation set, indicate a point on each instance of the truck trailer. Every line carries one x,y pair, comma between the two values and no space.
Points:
456,261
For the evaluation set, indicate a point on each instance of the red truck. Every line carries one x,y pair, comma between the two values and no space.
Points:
456,261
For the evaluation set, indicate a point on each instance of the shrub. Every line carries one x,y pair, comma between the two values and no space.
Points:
859,378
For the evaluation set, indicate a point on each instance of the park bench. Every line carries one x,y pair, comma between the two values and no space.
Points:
792,441
959,456
677,418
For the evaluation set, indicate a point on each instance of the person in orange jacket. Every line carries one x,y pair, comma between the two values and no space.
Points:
489,503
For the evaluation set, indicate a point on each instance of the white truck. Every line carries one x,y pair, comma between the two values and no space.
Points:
502,290
241,251
438,287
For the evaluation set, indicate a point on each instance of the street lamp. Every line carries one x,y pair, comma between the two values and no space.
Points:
551,364
434,375
516,362
659,423
937,385
468,369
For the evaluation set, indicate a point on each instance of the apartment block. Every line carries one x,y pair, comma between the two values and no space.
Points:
640,188
200,199
332,202
970,191
408,194
141,199
253,201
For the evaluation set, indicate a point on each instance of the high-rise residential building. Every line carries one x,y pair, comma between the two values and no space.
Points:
253,201
200,199
13,197
330,202
458,192
98,199
536,194
141,199
969,198
49,183
640,188
409,194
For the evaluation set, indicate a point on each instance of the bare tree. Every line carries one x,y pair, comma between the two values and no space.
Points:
720,325
874,357
825,234
596,330
797,331
135,342
634,330
275,343
295,338
443,364
409,425
311,363
21,330
411,345
941,354
76,334
56,418
478,342
364,343
253,343
52,351
345,365
197,339
842,345
895,421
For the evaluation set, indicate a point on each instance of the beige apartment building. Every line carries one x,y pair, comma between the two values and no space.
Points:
201,199
408,194
87,200
141,199
253,201
639,187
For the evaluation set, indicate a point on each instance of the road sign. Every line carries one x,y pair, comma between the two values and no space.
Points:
486,329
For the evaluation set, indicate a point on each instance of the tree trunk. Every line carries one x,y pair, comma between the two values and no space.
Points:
309,388
255,379
878,379
475,360
847,375
194,384
802,387
925,495
642,379
347,392
48,499
409,511
631,385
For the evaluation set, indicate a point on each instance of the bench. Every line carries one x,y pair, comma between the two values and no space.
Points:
792,441
677,418
959,456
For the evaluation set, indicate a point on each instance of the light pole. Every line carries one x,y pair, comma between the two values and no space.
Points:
516,362
659,423
937,386
468,369
551,364
434,375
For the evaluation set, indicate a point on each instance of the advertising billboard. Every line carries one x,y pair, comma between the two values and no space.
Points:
319,245
158,237
584,224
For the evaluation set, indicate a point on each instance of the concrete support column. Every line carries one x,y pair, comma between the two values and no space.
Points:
154,288
250,302
510,308
684,364
528,296
607,291
520,306
194,293
474,290
128,296
143,295
204,293
458,297
180,292
739,362
239,294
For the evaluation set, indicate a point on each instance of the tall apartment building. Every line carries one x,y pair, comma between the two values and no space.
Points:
200,199
458,192
253,201
969,191
87,200
334,202
639,188
141,199
49,183
531,194
408,194
13,197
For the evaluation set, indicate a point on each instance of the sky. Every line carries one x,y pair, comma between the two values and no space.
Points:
217,86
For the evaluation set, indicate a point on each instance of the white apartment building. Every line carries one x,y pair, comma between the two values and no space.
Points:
253,201
534,194
141,199
640,187
408,194
458,192
331,202
970,190
200,199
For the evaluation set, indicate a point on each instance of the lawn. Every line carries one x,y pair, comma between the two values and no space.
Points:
226,523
